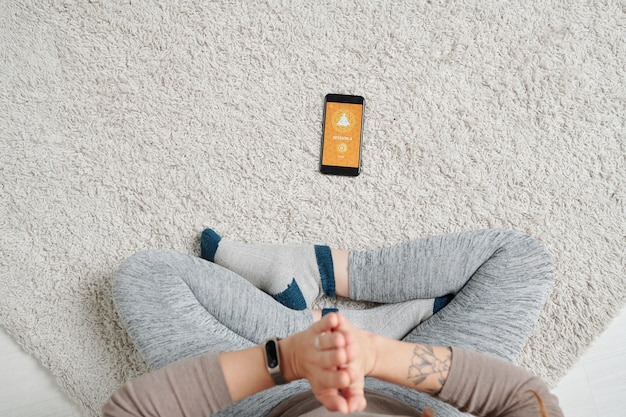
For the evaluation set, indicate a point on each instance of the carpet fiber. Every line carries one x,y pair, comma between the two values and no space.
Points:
133,125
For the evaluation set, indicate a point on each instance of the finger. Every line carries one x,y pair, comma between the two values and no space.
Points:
355,397
327,341
332,358
354,340
328,323
327,379
343,325
353,350
357,404
317,342
332,400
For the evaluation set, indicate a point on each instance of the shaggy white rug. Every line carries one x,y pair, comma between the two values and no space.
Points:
128,125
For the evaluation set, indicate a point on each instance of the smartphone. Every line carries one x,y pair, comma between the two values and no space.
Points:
342,135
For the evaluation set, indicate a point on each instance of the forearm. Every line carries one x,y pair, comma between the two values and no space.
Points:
421,367
197,386
469,381
246,373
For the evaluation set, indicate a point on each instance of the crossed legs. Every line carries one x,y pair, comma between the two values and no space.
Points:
486,287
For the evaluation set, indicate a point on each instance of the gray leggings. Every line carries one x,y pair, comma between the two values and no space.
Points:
176,306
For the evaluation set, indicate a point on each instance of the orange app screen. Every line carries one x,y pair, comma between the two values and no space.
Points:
342,134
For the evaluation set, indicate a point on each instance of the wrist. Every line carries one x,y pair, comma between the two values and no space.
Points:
421,367
287,359
378,348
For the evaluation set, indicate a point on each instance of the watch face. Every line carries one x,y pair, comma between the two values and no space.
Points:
271,352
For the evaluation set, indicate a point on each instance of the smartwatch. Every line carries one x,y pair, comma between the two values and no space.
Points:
272,360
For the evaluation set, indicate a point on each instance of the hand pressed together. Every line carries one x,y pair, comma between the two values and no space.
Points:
337,370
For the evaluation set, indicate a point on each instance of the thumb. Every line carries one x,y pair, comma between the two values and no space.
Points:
328,323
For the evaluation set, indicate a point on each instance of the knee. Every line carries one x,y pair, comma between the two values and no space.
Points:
532,247
529,253
141,272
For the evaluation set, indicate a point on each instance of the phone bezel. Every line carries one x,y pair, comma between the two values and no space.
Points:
339,170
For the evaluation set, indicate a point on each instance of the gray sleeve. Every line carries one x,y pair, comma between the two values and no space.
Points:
191,387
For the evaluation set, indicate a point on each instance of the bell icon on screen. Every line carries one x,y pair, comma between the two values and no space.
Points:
343,121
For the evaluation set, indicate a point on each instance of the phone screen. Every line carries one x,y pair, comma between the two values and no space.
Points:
341,144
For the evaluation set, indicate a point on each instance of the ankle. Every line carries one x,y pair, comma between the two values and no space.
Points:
340,264
317,315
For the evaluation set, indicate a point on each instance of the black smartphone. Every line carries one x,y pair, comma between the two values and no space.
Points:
342,135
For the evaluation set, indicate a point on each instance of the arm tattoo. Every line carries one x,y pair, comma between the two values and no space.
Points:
426,365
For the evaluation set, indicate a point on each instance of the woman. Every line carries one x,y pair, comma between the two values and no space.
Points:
465,302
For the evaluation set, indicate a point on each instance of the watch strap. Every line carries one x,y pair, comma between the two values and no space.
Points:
272,360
